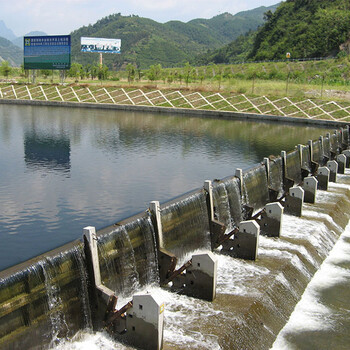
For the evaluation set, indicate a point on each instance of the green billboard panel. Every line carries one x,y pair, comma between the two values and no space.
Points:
47,52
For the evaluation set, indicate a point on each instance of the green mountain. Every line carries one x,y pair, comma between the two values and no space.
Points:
230,26
305,28
146,42
235,52
10,52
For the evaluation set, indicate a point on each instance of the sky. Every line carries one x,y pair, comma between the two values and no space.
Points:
64,16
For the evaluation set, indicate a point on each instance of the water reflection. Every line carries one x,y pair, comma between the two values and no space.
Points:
63,169
47,151
216,136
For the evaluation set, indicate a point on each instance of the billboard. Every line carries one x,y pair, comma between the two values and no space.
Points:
101,45
47,52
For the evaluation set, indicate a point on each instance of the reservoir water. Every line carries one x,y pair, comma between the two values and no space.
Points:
64,168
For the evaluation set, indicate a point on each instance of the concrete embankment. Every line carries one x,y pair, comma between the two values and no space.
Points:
186,111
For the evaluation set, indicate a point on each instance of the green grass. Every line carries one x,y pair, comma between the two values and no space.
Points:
328,79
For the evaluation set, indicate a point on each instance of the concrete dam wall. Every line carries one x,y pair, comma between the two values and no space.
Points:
52,296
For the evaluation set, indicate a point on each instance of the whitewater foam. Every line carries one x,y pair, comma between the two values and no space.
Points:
312,313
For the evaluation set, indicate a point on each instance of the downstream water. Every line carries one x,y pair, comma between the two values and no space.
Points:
64,169
321,320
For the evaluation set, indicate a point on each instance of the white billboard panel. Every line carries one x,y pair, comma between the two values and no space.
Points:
102,45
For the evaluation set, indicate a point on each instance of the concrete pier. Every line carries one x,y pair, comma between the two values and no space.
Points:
310,188
245,243
155,211
217,229
145,322
287,182
341,160
294,201
239,175
200,278
143,326
347,155
332,165
271,220
322,177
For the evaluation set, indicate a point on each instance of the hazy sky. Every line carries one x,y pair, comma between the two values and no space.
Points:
63,16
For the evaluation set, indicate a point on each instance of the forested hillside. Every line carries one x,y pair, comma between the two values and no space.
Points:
305,28
146,42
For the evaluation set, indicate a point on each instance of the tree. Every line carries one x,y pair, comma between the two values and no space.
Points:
154,72
170,78
82,72
187,72
131,72
268,15
94,71
74,71
218,76
5,69
139,73
102,72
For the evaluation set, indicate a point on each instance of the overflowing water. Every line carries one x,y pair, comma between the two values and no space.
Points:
185,225
59,327
228,203
320,320
122,269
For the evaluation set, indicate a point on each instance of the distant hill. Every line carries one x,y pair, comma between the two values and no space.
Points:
230,26
19,40
238,49
235,52
146,42
6,32
10,52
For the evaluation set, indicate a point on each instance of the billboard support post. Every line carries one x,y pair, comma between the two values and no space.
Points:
33,76
62,76
101,60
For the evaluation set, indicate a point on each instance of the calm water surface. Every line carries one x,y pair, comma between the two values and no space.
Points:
63,169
